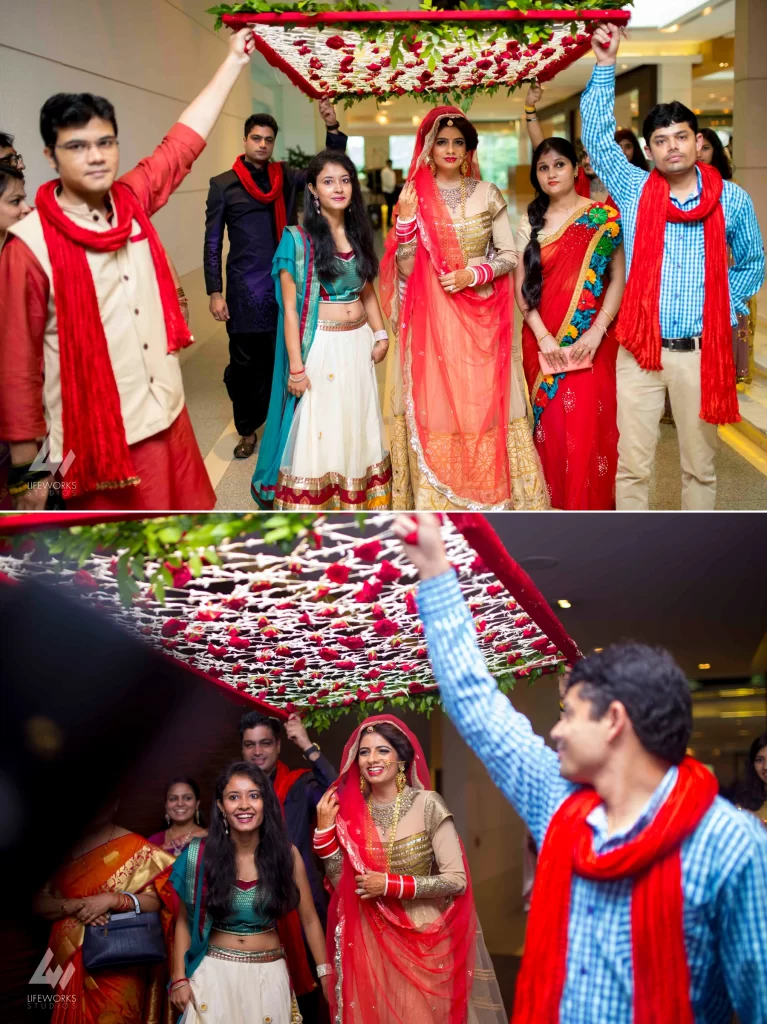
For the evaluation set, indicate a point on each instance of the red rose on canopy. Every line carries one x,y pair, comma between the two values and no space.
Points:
388,572
315,62
235,603
240,643
241,684
369,591
347,701
346,663
369,551
377,611
362,694
528,631
335,42
218,652
328,654
311,699
172,626
83,579
258,585
385,627
351,643
169,643
270,633
410,604
305,619
372,673
283,651
540,644
416,688
181,576
299,664
494,588
338,573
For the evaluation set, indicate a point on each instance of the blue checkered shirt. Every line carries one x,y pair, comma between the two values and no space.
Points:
684,259
724,862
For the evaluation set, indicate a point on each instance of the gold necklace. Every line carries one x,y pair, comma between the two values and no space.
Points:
392,834
463,220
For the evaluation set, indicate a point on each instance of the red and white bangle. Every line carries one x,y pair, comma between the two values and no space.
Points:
406,230
400,887
325,842
483,274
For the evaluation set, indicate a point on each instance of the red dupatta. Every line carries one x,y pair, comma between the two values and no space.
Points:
455,349
392,971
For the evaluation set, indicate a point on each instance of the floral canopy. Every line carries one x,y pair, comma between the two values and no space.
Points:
452,54
328,625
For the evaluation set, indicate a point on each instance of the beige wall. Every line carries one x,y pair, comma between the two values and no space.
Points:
150,58
492,832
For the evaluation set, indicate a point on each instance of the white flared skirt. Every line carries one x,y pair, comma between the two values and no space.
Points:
238,992
336,457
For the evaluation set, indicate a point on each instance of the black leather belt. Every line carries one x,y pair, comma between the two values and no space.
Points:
681,344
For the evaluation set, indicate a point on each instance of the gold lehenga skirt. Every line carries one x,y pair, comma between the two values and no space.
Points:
416,487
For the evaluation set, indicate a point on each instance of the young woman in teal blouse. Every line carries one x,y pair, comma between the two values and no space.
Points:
235,889
323,445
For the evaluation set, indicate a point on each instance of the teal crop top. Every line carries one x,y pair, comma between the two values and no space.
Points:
247,915
347,286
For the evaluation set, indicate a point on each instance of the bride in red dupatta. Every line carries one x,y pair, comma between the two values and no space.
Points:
415,955
461,437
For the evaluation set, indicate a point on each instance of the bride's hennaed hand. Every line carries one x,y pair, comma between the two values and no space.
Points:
327,809
408,202
456,281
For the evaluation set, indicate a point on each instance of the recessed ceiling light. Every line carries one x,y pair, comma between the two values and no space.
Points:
598,649
706,11
623,67
704,665
670,28
564,603
723,64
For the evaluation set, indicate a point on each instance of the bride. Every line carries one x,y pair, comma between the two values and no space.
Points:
461,437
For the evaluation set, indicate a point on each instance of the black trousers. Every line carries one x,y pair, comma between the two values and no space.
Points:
248,378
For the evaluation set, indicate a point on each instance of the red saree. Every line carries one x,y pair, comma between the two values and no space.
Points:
576,433
455,351
132,995
388,970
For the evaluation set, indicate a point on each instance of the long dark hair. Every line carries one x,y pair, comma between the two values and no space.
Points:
638,157
719,158
536,212
751,791
356,222
187,781
273,858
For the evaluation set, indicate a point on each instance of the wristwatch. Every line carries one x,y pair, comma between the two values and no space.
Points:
313,749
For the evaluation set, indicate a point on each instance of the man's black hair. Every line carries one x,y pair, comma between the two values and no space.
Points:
262,121
652,688
73,110
6,140
666,114
252,719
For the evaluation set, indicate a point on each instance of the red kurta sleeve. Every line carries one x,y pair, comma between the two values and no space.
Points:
23,315
156,177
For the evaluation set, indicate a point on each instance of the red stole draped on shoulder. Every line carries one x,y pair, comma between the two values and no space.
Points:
90,402
274,195
284,779
638,324
652,860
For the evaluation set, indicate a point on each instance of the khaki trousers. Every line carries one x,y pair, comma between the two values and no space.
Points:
641,397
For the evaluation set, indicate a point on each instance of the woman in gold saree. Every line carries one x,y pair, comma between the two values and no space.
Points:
461,437
403,936
108,863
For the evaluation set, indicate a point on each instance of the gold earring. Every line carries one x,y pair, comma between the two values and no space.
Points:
362,784
197,815
431,165
465,167
401,779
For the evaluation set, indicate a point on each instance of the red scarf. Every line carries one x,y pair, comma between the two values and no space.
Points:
582,184
638,326
652,860
92,419
274,195
283,780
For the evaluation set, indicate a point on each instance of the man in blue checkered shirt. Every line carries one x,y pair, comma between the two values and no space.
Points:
623,735
671,134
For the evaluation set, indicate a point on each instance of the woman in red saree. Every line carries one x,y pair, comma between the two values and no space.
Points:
403,936
107,862
460,437
569,288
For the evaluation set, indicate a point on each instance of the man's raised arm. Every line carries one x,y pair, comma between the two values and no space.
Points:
519,762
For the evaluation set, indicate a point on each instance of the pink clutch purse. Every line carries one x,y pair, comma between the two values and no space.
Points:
548,369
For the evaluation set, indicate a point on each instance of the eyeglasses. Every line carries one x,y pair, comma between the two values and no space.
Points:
79,148
14,159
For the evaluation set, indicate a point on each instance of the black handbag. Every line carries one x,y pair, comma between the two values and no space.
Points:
128,939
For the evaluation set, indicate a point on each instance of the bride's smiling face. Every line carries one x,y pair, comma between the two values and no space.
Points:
449,150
